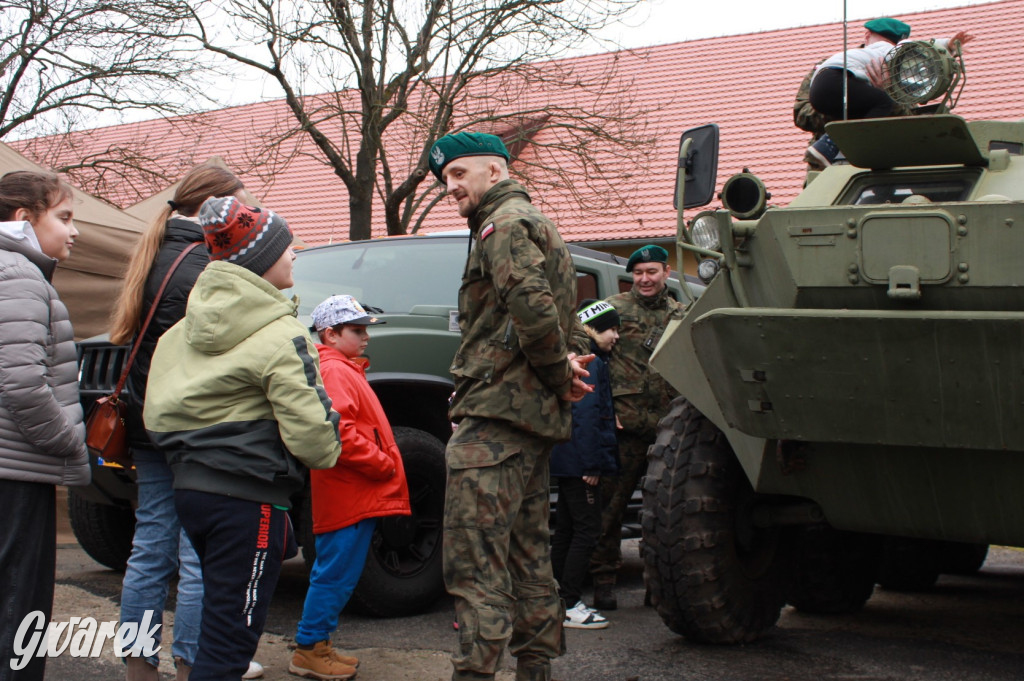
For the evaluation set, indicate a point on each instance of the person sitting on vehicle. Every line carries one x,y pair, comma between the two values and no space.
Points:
805,116
860,69
368,482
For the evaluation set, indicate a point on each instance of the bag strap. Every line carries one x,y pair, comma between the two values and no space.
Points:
149,318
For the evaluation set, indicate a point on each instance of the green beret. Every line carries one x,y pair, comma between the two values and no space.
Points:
451,147
892,30
649,253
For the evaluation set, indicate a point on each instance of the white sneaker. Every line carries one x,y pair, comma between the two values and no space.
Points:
580,616
255,670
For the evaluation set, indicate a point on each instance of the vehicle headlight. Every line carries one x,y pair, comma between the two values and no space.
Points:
707,269
704,231
918,72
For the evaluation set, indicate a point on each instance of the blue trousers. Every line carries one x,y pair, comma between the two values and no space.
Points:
340,557
160,550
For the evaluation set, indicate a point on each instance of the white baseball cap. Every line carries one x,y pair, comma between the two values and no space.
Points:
341,310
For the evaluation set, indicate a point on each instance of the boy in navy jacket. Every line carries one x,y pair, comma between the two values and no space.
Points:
578,465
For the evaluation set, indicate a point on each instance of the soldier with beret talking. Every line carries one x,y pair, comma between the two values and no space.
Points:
516,378
641,398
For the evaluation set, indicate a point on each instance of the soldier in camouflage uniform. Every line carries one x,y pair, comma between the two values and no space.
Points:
515,379
641,398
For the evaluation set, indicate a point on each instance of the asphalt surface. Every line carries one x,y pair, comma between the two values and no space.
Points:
966,629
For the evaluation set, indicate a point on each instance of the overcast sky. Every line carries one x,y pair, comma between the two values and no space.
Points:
657,22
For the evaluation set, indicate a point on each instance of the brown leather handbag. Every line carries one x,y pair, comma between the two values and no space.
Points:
106,433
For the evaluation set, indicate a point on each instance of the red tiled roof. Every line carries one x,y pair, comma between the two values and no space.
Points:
744,83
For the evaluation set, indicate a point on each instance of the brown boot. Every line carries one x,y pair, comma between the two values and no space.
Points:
321,662
139,669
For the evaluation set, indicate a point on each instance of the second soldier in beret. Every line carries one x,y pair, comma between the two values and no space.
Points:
641,397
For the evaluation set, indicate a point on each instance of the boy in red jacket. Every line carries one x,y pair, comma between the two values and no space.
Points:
368,482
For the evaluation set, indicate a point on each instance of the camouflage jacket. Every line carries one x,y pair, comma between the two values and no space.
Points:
517,316
641,395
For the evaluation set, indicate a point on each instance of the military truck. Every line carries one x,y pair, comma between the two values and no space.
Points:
414,282
850,379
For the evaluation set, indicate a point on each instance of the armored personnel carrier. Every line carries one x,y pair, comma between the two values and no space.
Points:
851,379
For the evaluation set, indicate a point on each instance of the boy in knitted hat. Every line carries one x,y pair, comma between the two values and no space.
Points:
367,483
578,466
236,403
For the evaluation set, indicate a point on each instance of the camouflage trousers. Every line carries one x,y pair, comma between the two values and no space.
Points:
617,491
497,552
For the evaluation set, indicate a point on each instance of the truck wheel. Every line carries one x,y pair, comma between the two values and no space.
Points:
835,571
909,564
104,531
713,576
403,569
961,558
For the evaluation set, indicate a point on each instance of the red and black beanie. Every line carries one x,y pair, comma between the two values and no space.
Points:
253,238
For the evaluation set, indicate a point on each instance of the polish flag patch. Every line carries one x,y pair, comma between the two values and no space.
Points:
486,231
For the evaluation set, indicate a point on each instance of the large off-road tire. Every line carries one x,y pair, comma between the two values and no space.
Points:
403,575
834,571
713,576
961,558
909,564
104,531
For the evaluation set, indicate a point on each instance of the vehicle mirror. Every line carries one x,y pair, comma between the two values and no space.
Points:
698,163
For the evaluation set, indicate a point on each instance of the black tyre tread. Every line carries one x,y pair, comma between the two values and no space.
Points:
380,593
961,558
835,571
103,531
909,564
691,566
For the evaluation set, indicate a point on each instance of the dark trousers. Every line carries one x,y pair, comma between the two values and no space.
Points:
28,563
616,491
241,545
578,524
863,99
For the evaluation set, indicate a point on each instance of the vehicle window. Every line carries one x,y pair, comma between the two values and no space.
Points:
394,275
625,285
882,188
586,287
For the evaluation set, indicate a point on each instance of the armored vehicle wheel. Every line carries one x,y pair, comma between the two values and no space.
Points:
961,558
402,575
909,564
713,576
104,531
835,571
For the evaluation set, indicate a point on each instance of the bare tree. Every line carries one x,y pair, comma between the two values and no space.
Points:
63,63
373,83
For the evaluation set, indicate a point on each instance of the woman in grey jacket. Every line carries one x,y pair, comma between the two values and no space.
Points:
42,438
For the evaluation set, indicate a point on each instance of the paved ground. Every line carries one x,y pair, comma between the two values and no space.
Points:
967,629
